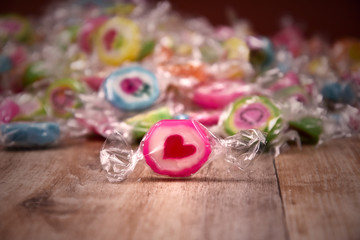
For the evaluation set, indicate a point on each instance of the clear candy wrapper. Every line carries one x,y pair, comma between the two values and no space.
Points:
134,55
178,148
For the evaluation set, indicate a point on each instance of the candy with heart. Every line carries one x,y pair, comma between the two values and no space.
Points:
252,112
131,88
178,148
118,40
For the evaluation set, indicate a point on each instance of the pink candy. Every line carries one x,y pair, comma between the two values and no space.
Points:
219,94
8,110
87,32
176,148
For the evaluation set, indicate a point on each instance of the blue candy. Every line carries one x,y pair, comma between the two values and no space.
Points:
131,88
182,117
341,93
29,134
262,53
5,63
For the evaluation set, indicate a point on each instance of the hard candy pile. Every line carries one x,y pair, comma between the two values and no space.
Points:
103,67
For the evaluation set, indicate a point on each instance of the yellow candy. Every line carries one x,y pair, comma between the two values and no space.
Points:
118,40
236,49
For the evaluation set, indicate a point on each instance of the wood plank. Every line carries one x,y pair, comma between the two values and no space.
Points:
62,193
320,189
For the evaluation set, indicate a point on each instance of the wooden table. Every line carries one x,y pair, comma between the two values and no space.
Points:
62,193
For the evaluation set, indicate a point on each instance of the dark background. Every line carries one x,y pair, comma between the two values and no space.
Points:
332,19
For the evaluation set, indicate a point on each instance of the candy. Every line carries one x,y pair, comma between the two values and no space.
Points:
181,117
337,92
14,26
33,72
309,129
141,123
30,107
131,88
261,52
61,96
88,31
347,49
195,70
290,79
29,134
8,110
94,82
178,148
5,64
118,40
146,49
207,118
217,95
290,37
253,112
296,92
236,49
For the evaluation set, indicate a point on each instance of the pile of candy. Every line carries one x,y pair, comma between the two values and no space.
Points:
118,69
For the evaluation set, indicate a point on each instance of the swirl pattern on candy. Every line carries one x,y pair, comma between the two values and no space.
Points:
131,88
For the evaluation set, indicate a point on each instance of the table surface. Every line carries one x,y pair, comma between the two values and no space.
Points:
63,193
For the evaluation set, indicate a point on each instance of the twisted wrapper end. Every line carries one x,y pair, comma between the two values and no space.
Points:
117,158
243,147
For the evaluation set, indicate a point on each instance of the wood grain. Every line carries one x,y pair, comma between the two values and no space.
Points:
62,193
320,189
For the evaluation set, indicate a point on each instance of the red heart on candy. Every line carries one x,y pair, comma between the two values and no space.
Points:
174,148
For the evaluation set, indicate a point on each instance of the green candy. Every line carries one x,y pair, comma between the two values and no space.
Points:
309,129
253,112
141,123
33,72
146,49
